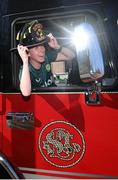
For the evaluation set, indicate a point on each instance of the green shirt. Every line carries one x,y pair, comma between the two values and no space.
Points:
43,76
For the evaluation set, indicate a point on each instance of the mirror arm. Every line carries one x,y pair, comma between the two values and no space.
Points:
92,96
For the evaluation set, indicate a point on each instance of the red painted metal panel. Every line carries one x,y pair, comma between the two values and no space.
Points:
98,125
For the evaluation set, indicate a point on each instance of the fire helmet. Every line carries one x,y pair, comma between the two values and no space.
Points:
32,34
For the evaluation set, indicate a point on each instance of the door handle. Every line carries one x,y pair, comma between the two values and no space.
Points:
20,120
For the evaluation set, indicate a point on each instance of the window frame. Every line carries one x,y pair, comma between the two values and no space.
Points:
48,16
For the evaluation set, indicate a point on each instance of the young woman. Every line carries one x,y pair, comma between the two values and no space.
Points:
36,71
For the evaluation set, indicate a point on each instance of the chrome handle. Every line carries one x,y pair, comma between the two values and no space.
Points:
20,120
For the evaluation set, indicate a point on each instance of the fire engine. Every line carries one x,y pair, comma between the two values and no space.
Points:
69,130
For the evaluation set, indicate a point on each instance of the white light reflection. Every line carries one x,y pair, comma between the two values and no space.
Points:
81,37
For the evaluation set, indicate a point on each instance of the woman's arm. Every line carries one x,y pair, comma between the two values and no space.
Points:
63,52
25,81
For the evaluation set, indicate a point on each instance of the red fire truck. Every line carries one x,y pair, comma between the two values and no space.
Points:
69,130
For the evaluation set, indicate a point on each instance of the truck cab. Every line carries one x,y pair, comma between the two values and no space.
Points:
68,130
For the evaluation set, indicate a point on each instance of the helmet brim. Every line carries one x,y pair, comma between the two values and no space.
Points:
40,43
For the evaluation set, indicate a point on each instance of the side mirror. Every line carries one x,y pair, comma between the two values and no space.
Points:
89,54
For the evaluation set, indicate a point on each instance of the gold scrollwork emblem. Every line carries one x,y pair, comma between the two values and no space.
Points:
61,144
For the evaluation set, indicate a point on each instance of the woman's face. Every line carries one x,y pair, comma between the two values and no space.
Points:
37,54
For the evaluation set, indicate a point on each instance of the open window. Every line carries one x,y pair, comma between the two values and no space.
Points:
84,34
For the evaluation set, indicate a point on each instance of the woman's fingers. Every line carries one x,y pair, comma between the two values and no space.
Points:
23,52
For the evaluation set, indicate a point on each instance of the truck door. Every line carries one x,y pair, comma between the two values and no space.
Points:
68,130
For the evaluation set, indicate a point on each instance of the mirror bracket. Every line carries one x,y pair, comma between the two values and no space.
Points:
92,96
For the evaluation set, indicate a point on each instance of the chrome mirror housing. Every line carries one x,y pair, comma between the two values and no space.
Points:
89,53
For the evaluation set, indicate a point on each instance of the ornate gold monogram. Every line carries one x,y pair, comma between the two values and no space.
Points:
61,144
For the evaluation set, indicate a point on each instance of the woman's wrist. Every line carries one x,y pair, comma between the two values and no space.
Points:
58,49
25,62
